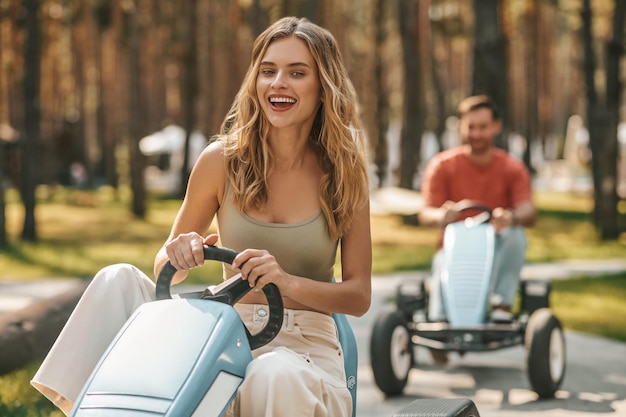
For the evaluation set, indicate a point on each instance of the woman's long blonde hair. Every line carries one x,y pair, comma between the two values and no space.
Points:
336,132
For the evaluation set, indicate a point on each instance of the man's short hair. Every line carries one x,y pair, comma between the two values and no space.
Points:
472,103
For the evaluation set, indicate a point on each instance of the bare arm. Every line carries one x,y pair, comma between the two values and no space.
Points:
441,216
183,247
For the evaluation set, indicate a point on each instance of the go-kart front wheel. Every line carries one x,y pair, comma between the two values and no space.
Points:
545,344
391,353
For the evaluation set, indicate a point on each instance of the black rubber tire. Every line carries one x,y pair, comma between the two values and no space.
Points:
545,345
391,352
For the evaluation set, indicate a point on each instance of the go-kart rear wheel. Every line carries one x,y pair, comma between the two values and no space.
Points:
391,352
545,344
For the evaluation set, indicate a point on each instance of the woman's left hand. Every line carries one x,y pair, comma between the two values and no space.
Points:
260,268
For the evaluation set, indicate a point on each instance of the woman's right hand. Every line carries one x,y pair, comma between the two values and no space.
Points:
186,251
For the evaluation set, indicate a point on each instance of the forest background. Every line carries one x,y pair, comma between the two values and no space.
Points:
81,82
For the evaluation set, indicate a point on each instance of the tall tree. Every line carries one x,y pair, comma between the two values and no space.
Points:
414,107
603,118
449,41
490,68
531,125
103,18
3,221
190,88
381,94
4,118
136,110
32,117
438,90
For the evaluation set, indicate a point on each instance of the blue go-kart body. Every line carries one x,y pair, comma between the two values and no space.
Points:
468,253
184,357
187,356
179,357
466,284
176,369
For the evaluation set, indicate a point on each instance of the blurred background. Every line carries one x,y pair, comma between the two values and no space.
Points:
125,93
105,105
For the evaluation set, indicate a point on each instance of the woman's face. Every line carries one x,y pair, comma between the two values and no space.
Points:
288,85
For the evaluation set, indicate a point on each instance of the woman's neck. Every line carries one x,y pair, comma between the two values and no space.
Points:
288,150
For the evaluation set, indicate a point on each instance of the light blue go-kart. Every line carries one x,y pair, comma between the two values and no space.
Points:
186,356
465,288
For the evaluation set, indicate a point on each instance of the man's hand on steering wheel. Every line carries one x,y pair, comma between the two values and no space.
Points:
502,218
452,210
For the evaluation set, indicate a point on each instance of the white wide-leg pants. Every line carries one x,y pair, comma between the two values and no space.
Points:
299,373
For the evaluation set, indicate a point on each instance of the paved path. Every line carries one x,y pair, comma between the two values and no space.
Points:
594,385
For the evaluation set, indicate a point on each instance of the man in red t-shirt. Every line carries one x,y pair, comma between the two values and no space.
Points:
478,172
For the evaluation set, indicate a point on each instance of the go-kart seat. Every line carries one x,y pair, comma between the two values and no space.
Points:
350,354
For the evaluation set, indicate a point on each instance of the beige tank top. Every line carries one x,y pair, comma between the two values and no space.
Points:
304,249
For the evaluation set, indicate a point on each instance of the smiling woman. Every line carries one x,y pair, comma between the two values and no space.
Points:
286,179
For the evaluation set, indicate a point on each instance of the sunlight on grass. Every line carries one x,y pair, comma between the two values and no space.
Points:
555,201
592,305
19,399
400,247
78,236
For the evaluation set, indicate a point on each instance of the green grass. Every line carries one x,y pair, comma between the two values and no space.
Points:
79,236
592,305
80,232
19,399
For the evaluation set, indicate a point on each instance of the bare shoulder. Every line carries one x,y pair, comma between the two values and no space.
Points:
214,152
211,160
209,172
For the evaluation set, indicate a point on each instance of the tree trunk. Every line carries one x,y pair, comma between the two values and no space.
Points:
609,216
189,89
531,127
413,110
490,68
258,18
32,117
603,118
136,114
103,16
108,106
379,137
438,89
3,218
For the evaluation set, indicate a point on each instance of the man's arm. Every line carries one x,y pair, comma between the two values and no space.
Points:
524,214
438,216
436,207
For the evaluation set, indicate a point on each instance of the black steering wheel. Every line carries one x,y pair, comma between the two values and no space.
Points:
229,292
484,215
